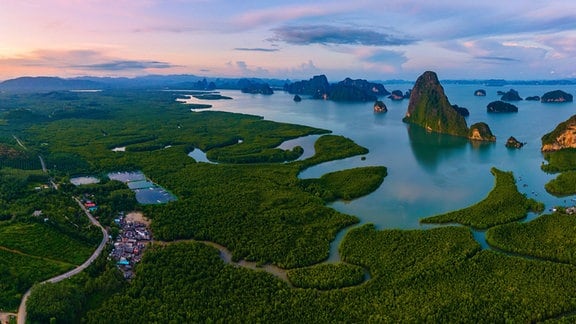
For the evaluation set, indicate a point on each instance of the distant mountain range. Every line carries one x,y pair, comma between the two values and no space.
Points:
193,82
184,82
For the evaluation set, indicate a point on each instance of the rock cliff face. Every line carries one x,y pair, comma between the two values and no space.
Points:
481,132
562,137
429,108
556,96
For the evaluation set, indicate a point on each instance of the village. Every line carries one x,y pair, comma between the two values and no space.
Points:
131,241
133,236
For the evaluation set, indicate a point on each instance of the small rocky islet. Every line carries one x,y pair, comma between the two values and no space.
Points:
500,106
512,142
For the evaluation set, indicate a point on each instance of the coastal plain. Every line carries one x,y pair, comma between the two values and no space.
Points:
254,201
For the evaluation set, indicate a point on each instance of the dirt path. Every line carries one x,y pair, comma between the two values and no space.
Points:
5,317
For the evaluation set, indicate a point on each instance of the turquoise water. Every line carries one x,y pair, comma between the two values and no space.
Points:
427,173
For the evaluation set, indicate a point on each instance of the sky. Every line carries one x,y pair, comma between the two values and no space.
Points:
290,39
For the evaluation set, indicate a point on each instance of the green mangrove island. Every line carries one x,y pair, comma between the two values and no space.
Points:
253,203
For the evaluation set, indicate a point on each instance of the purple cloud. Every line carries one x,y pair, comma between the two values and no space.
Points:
122,65
256,49
335,35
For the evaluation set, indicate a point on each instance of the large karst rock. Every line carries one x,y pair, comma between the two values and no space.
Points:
362,90
511,95
356,90
258,88
317,87
429,108
562,137
501,107
345,90
556,96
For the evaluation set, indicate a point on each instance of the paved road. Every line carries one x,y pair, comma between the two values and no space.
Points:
80,268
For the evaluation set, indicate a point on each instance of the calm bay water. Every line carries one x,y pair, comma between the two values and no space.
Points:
427,173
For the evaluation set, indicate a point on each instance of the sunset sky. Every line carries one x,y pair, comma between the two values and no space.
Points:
375,40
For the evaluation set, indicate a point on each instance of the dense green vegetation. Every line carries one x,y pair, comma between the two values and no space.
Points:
43,233
233,205
18,272
332,147
503,204
47,242
389,258
54,302
254,204
327,276
69,300
345,184
559,161
267,218
436,275
258,211
260,146
549,237
563,185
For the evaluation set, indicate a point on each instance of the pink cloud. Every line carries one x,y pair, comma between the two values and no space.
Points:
77,62
278,15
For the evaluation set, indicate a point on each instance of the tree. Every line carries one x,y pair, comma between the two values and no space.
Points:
61,302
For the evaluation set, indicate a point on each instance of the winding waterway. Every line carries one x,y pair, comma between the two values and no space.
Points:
428,174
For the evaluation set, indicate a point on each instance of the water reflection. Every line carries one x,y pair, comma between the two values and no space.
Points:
430,149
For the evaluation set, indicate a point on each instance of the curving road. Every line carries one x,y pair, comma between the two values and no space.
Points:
80,268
